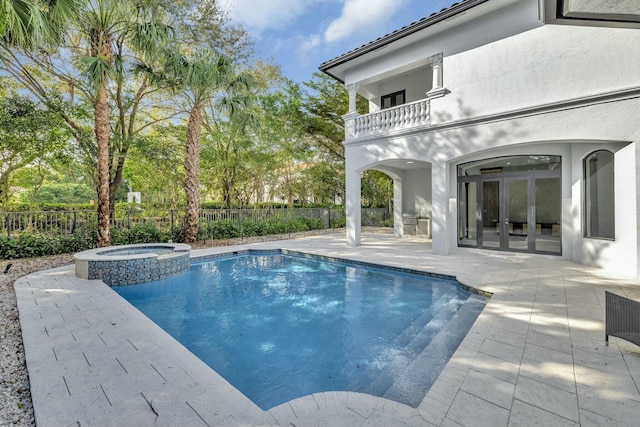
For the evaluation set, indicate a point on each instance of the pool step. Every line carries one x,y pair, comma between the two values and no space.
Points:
367,377
412,384
413,348
418,325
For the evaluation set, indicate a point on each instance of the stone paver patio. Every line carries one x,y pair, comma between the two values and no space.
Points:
535,356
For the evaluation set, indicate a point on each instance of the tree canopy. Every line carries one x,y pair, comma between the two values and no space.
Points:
166,98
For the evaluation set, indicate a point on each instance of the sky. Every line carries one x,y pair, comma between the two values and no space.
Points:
299,35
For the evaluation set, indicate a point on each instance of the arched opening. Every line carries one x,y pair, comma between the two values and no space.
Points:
406,185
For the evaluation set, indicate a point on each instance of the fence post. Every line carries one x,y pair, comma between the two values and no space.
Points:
8,226
73,226
128,219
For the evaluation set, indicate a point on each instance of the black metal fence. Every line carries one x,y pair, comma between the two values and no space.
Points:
13,224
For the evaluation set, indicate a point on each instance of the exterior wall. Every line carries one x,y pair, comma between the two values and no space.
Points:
555,63
417,192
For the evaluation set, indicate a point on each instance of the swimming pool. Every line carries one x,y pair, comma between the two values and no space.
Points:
279,326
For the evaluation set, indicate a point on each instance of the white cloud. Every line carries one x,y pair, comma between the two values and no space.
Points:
361,16
307,45
258,16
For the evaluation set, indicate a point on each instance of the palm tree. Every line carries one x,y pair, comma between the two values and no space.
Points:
200,80
101,24
105,23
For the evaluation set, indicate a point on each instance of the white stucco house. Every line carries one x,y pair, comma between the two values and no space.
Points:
513,124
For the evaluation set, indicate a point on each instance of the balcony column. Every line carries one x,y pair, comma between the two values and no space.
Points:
350,117
437,88
351,90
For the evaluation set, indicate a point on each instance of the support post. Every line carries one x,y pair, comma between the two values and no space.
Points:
437,86
353,210
440,208
398,228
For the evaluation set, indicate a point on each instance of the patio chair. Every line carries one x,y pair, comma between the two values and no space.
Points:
622,318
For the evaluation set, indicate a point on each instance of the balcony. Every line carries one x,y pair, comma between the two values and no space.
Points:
402,117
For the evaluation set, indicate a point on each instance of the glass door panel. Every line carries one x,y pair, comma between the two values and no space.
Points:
548,211
516,207
468,206
491,224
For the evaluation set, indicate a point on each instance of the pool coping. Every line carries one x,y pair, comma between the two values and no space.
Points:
93,359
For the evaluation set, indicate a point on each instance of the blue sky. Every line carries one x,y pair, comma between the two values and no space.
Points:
301,34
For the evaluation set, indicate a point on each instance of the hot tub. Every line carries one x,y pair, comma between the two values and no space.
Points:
130,264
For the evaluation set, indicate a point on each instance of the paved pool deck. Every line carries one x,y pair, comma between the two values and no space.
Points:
535,356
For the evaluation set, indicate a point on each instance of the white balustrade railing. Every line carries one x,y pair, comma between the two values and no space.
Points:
402,116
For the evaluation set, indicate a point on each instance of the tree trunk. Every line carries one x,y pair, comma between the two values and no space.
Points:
101,119
117,179
191,177
101,45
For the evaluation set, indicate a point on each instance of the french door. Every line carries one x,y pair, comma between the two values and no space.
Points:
511,211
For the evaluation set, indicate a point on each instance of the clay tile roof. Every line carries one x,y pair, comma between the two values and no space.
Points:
416,26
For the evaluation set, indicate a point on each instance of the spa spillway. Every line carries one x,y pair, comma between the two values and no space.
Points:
130,264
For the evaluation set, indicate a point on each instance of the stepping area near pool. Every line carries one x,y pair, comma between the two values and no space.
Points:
536,352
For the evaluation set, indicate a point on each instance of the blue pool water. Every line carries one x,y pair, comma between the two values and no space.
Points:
159,250
281,326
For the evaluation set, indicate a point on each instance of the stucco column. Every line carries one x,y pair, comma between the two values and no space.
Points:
398,229
437,85
352,206
440,204
352,114
351,90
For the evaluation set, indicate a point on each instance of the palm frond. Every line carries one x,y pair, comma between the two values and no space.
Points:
23,23
97,70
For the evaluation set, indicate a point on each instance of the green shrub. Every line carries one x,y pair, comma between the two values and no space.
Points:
251,228
314,223
139,233
83,239
221,229
338,222
36,245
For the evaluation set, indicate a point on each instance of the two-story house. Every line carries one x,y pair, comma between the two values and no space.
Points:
513,124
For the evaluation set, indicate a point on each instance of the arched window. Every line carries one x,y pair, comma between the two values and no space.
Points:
599,195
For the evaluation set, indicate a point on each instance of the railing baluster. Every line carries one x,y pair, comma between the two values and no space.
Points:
414,113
